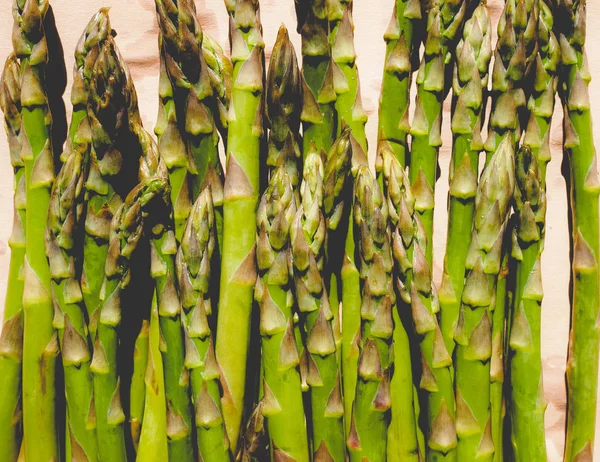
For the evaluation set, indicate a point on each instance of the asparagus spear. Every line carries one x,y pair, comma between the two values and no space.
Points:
337,189
395,85
474,331
307,236
11,338
186,129
469,81
242,189
514,60
283,107
527,397
370,414
96,32
127,229
416,287
283,406
104,187
137,392
404,437
163,249
582,363
40,346
194,260
319,118
63,248
444,25
153,436
111,104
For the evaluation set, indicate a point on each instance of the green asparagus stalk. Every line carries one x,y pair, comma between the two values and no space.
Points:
283,405
163,248
63,248
194,260
40,345
187,132
109,97
153,436
370,415
582,362
416,287
469,83
514,60
397,77
474,329
404,433
111,104
95,33
337,189
348,103
527,398
283,107
137,393
307,235
11,338
241,193
444,26
319,118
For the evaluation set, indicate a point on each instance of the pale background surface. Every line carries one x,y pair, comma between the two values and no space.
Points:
134,20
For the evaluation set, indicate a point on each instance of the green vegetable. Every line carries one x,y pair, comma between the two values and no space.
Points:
163,248
474,329
527,405
137,393
110,173
11,338
186,129
194,261
584,187
40,343
372,402
63,248
241,193
307,236
444,26
283,406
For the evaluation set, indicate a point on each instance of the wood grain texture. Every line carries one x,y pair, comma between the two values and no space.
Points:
134,21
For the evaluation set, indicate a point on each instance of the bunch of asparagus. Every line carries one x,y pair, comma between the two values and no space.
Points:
163,306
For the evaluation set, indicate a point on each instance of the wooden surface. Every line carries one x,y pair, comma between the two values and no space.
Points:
134,21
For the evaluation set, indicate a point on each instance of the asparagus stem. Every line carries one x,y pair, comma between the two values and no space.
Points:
283,405
474,330
163,248
397,77
187,131
113,158
106,184
514,60
370,414
40,345
527,397
319,118
336,203
137,394
194,260
416,287
153,437
242,189
283,107
11,338
470,80
582,362
63,248
307,236
444,26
